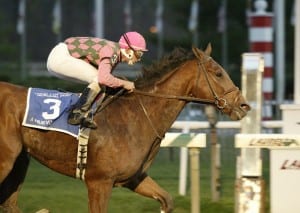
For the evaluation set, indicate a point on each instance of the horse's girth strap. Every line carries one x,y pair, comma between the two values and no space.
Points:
83,139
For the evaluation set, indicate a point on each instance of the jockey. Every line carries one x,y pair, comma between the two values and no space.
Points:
91,60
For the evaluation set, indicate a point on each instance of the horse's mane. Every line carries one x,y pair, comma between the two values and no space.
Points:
152,73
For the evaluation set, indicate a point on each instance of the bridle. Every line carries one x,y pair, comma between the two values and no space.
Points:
220,103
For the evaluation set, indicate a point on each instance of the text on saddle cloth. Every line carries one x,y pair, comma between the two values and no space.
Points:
49,109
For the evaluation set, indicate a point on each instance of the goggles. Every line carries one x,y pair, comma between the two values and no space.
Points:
138,54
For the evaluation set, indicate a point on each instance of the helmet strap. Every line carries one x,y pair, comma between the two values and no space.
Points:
127,41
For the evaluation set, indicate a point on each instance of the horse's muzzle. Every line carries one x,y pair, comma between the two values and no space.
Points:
238,113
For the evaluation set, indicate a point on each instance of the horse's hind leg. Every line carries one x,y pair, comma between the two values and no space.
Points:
149,188
10,149
11,185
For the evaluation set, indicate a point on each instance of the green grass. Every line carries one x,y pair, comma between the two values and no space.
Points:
44,188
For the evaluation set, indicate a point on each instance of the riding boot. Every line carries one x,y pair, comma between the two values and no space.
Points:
77,115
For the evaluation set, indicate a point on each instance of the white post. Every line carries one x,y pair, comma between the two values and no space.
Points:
56,23
193,21
249,163
195,180
297,54
286,181
210,112
261,40
159,27
183,166
99,18
127,15
21,29
280,50
183,170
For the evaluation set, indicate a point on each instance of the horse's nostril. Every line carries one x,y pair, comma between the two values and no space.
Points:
245,107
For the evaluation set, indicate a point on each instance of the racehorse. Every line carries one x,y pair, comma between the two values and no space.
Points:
129,131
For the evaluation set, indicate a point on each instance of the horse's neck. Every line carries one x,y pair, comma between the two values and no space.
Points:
160,113
164,111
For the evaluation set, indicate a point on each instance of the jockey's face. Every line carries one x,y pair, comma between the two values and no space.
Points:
130,56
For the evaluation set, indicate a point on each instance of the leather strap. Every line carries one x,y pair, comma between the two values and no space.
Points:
82,149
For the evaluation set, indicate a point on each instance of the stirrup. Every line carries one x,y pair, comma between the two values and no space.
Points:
89,123
75,118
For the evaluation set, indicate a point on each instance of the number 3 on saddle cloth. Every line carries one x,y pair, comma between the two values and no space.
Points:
49,110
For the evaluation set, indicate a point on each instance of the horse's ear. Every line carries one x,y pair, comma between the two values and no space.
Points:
197,52
208,49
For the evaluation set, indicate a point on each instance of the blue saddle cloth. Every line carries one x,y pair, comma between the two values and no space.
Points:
49,109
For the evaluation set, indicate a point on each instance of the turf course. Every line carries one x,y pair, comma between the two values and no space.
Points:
44,188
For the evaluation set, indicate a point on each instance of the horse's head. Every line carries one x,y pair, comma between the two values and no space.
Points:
220,88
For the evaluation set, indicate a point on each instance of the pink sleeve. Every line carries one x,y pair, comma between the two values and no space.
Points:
104,69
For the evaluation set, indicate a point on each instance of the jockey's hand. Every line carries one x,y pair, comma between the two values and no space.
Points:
129,86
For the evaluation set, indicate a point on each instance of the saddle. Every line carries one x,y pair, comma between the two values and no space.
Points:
49,109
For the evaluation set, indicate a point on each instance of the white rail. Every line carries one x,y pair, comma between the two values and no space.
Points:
222,124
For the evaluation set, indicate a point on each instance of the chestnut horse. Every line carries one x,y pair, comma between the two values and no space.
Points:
129,130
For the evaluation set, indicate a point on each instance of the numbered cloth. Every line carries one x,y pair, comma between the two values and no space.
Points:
49,109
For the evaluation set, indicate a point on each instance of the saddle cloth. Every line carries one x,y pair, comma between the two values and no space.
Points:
49,109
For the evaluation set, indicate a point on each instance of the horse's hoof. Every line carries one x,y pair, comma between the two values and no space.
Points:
43,211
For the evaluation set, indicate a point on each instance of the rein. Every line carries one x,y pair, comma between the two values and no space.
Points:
220,103
149,119
177,97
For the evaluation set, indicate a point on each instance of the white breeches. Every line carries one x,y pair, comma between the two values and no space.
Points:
63,65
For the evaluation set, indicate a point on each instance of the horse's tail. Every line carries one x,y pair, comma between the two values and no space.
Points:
15,178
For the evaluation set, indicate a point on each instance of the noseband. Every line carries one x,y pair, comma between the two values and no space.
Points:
220,103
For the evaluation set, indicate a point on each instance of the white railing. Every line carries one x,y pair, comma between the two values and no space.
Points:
222,124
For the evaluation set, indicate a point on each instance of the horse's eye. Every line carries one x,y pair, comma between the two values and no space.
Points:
219,74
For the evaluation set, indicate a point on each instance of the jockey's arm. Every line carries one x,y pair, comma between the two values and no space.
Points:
104,71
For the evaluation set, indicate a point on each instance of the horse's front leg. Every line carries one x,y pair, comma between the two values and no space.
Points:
99,193
149,188
10,205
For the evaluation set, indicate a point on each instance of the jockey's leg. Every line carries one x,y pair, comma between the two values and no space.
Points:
62,64
78,113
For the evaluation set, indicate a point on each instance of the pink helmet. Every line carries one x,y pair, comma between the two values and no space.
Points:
133,40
